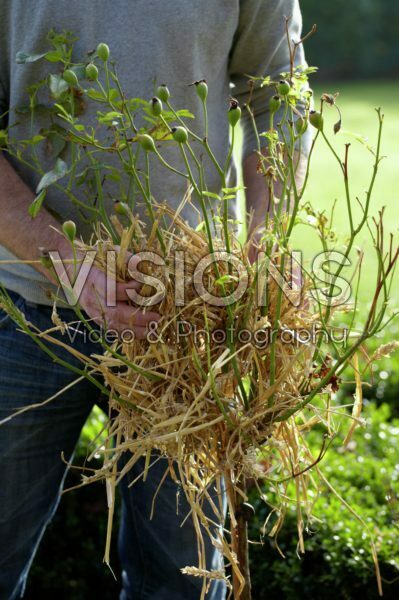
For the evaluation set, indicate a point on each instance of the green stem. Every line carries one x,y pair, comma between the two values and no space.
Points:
102,209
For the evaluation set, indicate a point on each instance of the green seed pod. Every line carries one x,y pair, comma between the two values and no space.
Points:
283,87
46,262
121,208
180,134
103,51
69,229
301,125
91,72
156,106
201,88
316,119
45,258
70,77
146,142
274,104
163,93
234,114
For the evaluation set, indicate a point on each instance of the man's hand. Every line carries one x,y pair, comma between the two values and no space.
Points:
258,204
258,201
111,310
255,237
24,236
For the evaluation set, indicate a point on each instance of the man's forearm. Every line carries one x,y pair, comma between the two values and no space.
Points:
19,233
257,193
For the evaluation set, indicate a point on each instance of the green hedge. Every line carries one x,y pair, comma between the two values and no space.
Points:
337,562
354,39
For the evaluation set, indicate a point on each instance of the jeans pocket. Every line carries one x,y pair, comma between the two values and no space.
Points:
5,319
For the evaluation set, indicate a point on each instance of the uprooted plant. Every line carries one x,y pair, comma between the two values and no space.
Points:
245,359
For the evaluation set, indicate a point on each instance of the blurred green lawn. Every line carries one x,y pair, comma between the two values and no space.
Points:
357,102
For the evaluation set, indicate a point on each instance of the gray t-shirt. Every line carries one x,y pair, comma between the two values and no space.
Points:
175,42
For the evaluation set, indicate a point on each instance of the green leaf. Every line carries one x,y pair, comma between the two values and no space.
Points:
3,137
225,279
271,135
35,139
24,57
55,139
359,138
53,56
211,195
150,119
200,226
58,86
308,70
233,190
136,103
109,117
113,94
79,70
114,176
23,109
82,176
99,96
265,81
36,205
59,171
63,112
183,114
95,95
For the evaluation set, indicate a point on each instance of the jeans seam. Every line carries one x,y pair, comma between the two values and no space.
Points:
24,575
142,556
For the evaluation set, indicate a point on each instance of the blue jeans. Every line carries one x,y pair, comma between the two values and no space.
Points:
32,475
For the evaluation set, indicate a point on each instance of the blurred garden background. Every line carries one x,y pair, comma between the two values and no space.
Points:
357,52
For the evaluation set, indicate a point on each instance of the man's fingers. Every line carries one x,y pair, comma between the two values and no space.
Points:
124,317
139,332
127,334
132,262
132,316
121,288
